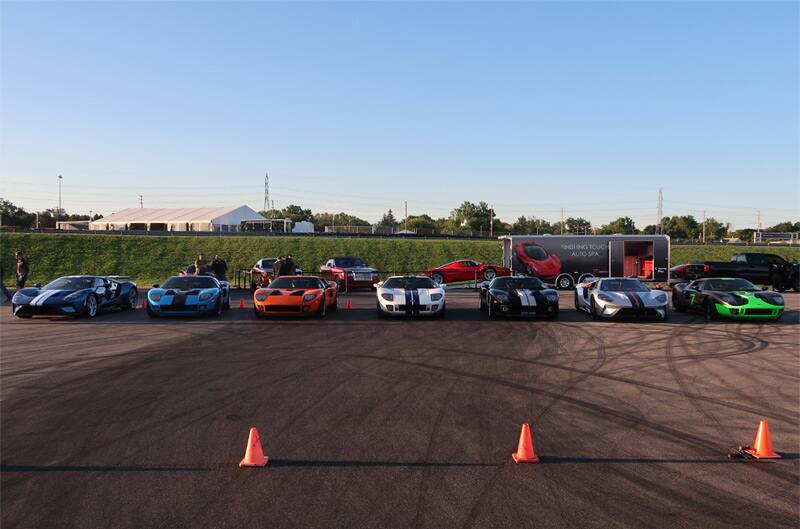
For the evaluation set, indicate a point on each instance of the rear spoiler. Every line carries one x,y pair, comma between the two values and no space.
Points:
117,278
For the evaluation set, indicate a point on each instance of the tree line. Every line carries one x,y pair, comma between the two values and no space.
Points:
467,219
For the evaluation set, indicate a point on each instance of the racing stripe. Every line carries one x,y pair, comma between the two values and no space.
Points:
409,298
415,297
41,298
636,301
527,299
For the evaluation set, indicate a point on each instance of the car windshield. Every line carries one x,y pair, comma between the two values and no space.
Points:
267,262
70,283
728,285
623,285
349,262
189,282
297,283
536,252
409,283
518,283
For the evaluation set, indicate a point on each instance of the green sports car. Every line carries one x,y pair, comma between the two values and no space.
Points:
722,297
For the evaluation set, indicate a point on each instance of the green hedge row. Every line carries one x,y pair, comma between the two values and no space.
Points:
150,259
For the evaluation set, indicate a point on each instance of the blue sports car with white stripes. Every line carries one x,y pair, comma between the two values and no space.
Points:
75,296
410,296
189,296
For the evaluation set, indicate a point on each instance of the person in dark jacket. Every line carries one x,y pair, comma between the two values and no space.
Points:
200,265
22,270
220,268
6,293
276,267
288,267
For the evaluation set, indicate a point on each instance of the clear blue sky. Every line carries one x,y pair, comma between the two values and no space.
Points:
359,106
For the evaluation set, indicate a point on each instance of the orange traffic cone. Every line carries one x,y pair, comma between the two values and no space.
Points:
253,454
525,453
762,444
349,304
241,303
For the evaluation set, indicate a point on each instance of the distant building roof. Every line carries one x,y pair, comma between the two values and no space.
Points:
166,215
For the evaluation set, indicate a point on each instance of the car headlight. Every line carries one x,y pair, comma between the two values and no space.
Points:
261,297
604,297
771,298
155,297
661,298
552,298
387,297
205,296
436,297
309,297
499,295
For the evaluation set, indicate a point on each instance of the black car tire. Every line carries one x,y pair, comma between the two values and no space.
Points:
321,310
595,315
492,313
335,305
258,314
149,311
437,278
441,313
379,310
709,310
554,314
86,311
482,304
489,274
577,303
679,306
133,299
227,305
564,282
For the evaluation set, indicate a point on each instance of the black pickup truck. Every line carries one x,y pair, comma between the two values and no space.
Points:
758,268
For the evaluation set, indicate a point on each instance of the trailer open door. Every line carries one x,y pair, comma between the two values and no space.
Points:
616,258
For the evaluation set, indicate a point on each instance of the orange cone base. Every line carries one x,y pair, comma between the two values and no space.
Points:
245,463
518,459
754,453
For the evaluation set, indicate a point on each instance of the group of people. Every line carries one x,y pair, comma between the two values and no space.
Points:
22,274
284,266
218,267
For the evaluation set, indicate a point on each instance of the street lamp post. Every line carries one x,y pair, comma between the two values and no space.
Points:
58,213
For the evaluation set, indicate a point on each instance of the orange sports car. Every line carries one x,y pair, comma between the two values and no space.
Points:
296,296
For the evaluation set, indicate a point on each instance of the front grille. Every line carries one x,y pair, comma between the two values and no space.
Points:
636,312
362,276
283,308
180,308
413,307
758,312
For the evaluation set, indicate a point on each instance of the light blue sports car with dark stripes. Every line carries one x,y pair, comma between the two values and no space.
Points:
189,296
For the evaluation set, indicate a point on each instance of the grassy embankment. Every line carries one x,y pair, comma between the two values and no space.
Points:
150,259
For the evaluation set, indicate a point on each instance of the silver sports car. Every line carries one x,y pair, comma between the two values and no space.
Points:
620,296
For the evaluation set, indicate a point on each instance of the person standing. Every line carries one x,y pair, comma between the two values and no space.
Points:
220,268
288,267
200,265
22,270
6,293
276,267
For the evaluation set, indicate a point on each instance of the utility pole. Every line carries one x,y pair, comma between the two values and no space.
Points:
141,201
562,221
406,222
660,213
757,235
266,191
491,221
704,226
58,213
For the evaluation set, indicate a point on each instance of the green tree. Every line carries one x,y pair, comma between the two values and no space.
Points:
296,213
578,225
624,225
11,215
681,227
714,229
786,226
388,219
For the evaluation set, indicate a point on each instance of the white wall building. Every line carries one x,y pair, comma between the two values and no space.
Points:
227,218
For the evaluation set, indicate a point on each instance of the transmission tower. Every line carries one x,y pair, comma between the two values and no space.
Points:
660,214
266,191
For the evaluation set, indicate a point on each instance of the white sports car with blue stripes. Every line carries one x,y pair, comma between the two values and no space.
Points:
410,296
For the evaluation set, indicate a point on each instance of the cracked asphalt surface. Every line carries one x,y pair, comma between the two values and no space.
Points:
124,421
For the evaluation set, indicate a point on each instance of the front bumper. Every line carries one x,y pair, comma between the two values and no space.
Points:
613,311
303,309
182,310
400,309
513,309
748,312
61,309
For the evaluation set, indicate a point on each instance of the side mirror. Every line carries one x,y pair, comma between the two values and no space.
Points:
37,285
324,268
485,284
101,290
155,286
764,288
378,284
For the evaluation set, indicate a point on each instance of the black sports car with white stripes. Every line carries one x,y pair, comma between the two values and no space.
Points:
75,296
518,296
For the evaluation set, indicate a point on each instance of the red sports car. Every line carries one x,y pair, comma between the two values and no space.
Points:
537,262
465,270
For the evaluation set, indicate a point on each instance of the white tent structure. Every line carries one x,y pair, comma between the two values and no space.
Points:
227,218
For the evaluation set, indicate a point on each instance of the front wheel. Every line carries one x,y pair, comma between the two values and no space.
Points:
577,304
564,282
709,310
133,298
437,278
595,315
440,314
321,310
335,305
679,306
379,311
489,274
482,305
90,308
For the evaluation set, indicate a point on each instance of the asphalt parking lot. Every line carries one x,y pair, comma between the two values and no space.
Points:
124,421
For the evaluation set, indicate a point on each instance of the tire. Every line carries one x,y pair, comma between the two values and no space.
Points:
482,304
709,310
91,307
679,306
257,314
554,315
217,308
666,315
489,274
227,305
595,315
564,282
437,278
440,314
335,305
133,299
149,311
492,313
321,310
253,286
577,304
380,313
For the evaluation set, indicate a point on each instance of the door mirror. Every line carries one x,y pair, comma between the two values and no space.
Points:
155,286
764,288
485,284
378,284
37,285
101,291
324,268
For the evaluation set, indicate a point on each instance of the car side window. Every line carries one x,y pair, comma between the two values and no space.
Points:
98,282
758,260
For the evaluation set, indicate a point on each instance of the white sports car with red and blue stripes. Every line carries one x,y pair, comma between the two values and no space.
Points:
620,296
